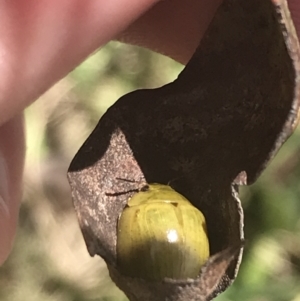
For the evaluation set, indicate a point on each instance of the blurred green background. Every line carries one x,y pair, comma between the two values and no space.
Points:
50,262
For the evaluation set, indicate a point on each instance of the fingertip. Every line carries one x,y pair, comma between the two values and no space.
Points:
294,6
176,35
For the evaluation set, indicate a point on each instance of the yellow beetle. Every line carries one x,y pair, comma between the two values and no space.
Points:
161,235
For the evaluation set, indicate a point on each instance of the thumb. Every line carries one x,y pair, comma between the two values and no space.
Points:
41,41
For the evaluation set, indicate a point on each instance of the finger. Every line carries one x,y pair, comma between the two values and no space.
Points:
41,41
11,168
179,34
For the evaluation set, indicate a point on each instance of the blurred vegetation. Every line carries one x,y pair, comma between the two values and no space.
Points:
50,262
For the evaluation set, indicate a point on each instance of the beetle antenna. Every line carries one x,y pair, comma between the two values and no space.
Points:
175,179
144,188
120,193
127,180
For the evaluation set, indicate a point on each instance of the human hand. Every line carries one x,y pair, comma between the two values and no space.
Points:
42,41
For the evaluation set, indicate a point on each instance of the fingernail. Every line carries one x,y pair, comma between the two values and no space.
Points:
3,188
